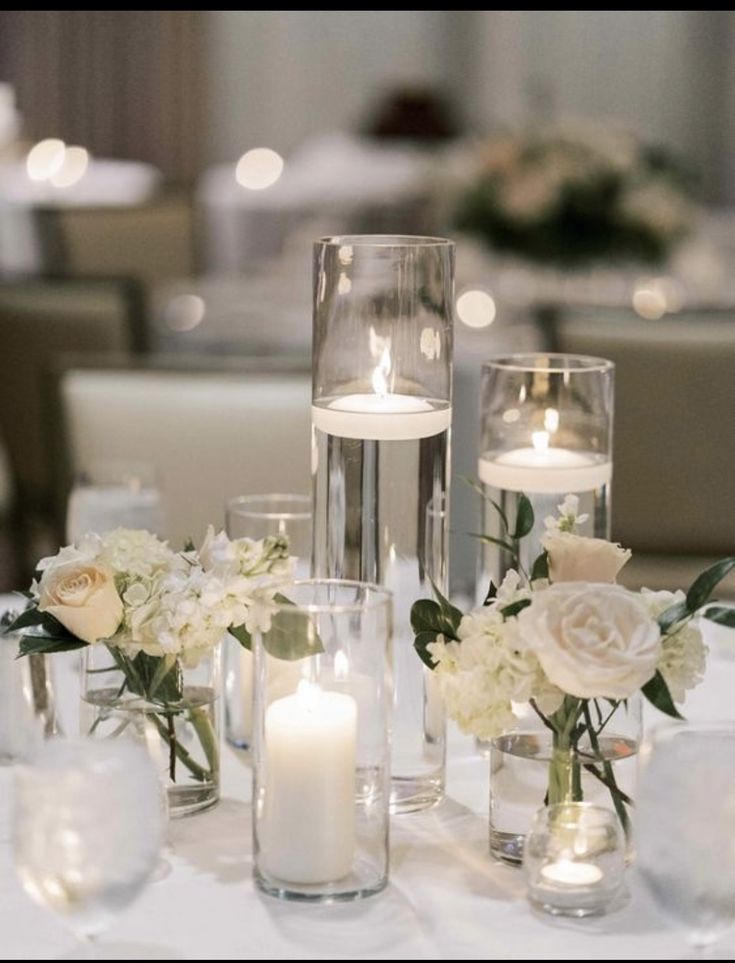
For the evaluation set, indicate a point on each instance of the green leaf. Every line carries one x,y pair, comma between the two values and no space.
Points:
426,616
673,614
421,643
31,616
481,491
242,635
657,693
491,593
702,587
42,644
722,615
540,568
429,616
189,545
166,665
524,518
450,612
494,541
515,607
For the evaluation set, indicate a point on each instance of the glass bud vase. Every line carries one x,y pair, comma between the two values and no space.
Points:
172,708
532,767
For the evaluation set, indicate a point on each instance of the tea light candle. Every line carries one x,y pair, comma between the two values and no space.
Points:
391,417
567,872
307,829
543,469
382,415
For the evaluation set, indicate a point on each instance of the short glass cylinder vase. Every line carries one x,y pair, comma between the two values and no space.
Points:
259,516
173,709
546,432
381,414
320,743
532,767
574,860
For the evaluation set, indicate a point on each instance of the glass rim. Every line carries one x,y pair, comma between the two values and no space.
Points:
524,361
383,240
238,505
667,729
380,596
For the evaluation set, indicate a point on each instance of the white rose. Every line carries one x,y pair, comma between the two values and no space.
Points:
592,640
82,596
574,558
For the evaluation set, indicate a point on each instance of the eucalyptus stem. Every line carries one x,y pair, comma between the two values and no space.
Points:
618,797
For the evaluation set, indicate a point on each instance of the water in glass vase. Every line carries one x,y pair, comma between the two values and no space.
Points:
380,516
527,772
179,729
588,478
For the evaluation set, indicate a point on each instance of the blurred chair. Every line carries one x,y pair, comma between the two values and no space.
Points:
149,242
674,437
208,433
38,321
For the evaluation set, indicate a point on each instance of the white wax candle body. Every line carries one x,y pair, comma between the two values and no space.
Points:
376,417
566,872
307,827
283,677
545,470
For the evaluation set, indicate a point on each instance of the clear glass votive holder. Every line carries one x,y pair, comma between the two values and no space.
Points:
546,431
321,763
574,859
258,516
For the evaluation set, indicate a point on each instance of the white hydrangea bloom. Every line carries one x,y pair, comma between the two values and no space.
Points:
135,553
483,674
684,654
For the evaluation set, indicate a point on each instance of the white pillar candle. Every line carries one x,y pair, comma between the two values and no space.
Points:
376,417
567,872
307,827
545,470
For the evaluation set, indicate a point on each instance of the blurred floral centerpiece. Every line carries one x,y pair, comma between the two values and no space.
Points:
150,621
550,668
572,197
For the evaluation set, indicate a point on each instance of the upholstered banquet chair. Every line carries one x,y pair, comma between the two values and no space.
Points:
38,321
673,482
209,433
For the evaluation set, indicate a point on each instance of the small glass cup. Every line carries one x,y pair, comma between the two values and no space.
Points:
574,859
258,516
323,692
109,495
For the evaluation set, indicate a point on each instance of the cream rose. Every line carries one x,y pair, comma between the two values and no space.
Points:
574,558
592,640
83,597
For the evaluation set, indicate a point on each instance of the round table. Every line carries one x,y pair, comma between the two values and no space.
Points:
447,899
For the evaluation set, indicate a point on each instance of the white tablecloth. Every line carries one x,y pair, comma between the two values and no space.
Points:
446,900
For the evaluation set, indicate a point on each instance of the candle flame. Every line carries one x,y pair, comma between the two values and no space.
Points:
341,666
380,375
551,420
540,440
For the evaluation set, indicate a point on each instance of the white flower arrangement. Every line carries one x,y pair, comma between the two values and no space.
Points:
157,612
130,590
567,640
575,194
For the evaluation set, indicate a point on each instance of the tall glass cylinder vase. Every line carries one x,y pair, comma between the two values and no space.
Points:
257,517
170,706
320,748
546,432
382,392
